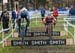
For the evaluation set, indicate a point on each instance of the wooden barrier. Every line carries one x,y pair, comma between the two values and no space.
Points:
32,34
39,42
7,43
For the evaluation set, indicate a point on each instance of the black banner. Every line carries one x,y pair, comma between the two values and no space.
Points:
31,34
38,42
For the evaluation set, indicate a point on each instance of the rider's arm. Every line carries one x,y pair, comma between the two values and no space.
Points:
54,20
27,14
45,20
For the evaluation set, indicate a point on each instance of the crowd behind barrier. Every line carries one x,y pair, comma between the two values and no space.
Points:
47,11
33,12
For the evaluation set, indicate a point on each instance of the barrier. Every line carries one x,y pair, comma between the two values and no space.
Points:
38,12
39,42
70,21
35,34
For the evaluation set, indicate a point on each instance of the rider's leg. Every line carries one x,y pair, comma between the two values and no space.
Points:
56,19
42,15
13,21
19,25
51,28
47,29
27,25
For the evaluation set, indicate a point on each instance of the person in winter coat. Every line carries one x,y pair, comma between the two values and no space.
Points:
43,13
13,17
72,11
5,19
72,15
55,12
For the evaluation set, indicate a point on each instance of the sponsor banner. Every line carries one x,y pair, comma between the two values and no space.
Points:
31,34
38,42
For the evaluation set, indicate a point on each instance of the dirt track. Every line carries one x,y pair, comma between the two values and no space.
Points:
45,49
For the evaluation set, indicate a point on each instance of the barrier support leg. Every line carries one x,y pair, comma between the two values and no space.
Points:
74,36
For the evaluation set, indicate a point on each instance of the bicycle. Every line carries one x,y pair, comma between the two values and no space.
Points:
50,29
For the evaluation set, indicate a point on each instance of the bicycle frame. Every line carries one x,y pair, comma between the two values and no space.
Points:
50,28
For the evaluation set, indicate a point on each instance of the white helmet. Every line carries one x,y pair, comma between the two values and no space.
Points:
23,9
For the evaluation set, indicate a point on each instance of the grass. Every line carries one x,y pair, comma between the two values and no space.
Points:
40,49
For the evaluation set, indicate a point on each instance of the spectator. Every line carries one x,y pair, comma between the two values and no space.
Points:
55,12
5,19
72,11
17,12
72,14
13,17
42,13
